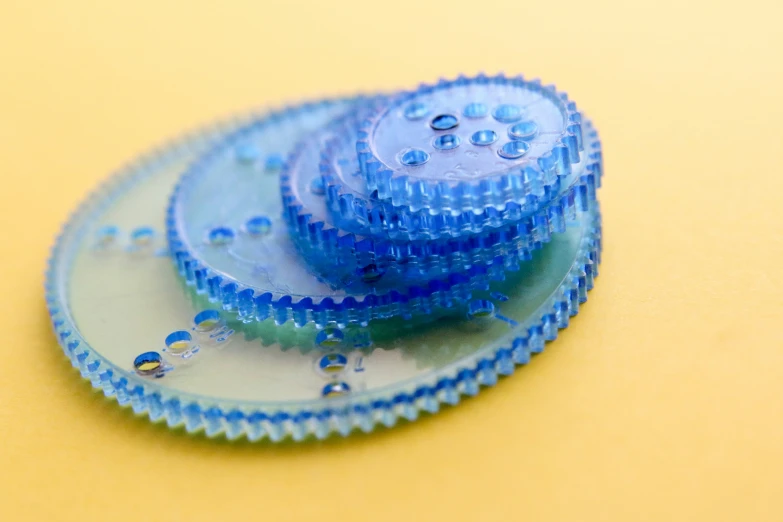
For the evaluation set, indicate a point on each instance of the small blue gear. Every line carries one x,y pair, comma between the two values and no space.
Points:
345,255
355,209
126,325
470,144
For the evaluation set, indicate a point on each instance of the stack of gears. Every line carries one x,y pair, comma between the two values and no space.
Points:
338,264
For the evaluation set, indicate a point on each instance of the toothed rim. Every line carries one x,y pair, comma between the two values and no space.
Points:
497,244
318,418
492,191
232,294
345,207
252,304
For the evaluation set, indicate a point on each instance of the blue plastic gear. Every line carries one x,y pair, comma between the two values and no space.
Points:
354,209
470,144
229,240
404,267
345,255
123,320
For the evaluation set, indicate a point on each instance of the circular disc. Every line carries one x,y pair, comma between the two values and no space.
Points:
125,320
355,209
450,147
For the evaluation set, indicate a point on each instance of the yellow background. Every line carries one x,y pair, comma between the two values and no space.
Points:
661,402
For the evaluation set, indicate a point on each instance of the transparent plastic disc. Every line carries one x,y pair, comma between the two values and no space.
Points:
116,300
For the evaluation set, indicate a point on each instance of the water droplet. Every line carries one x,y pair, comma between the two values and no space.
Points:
207,320
107,235
513,149
444,122
317,186
142,236
524,130
414,157
258,226
507,113
416,111
273,163
481,309
335,389
178,342
371,274
484,137
475,110
220,236
332,363
330,337
446,142
148,363
246,153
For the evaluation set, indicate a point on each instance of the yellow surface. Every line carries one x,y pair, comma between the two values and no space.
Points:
662,401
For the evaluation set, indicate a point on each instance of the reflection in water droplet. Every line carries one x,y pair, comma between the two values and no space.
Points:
444,122
480,309
414,157
475,110
274,163
446,142
513,149
179,341
524,130
246,153
142,236
416,111
148,363
220,236
506,113
335,389
332,363
258,226
207,320
483,137
107,235
329,337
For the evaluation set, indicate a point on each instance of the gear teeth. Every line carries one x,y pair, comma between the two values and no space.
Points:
363,411
253,304
353,211
499,186
200,415
462,265
485,255
503,246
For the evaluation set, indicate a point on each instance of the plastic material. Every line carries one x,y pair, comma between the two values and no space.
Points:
355,209
335,265
135,332
401,157
345,279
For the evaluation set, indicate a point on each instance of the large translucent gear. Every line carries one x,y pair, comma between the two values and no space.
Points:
111,296
469,144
